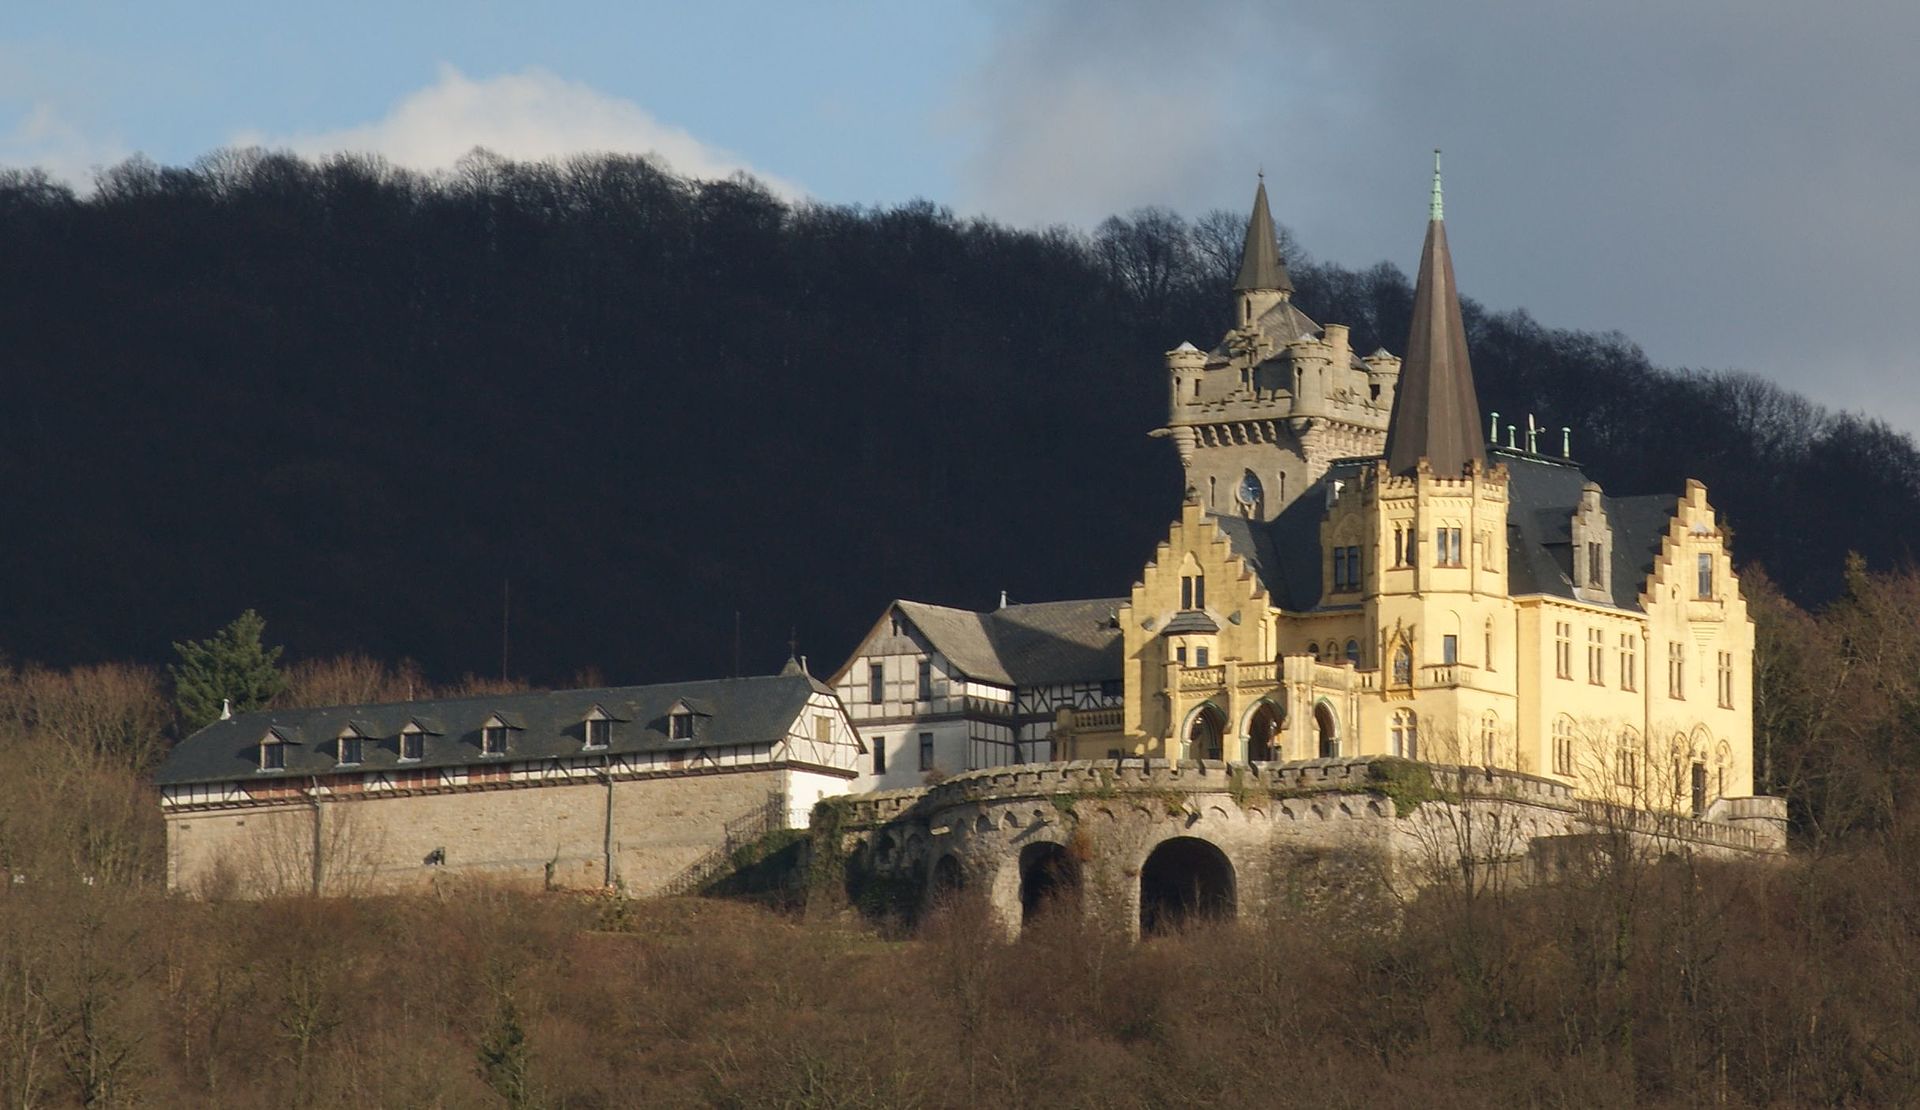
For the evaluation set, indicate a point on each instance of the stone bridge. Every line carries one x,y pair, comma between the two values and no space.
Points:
1151,844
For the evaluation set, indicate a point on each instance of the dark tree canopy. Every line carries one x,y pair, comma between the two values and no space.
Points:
363,401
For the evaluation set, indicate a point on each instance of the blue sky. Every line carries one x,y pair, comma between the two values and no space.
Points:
1729,182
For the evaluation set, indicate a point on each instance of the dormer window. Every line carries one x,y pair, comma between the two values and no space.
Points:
493,739
680,725
599,732
273,754
412,742
348,748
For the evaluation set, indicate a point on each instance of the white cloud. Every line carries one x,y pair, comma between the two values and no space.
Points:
530,115
43,138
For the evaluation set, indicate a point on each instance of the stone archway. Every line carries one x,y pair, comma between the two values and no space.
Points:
1185,881
948,880
1264,739
1049,880
1207,733
1327,731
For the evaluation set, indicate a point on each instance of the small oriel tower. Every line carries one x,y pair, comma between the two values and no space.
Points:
1257,419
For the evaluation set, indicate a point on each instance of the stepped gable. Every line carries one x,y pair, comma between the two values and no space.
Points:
756,710
1039,644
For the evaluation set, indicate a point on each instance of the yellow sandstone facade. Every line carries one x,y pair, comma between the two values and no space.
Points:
1452,601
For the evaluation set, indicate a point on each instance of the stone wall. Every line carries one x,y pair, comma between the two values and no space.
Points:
533,835
1266,830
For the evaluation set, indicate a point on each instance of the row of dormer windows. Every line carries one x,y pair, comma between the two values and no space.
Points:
349,748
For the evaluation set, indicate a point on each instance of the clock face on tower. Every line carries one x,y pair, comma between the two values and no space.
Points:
1249,491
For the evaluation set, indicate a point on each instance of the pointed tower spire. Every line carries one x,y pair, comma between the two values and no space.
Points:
1261,269
1436,413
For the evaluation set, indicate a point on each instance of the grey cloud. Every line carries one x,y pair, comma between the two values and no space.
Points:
1731,184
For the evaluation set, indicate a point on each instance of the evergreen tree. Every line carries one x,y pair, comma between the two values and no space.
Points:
231,665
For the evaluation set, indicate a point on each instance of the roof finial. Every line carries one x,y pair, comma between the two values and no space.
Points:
1435,214
226,709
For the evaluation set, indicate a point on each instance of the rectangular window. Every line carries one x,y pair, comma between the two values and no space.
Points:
1726,680
680,726
1339,568
1563,649
349,749
1626,770
1180,656
1562,747
1111,689
1199,657
273,757
1596,576
599,733
1449,649
926,751
1676,670
876,683
926,680
1596,657
1704,566
411,745
493,740
1629,662
1193,591
879,755
1446,547
822,729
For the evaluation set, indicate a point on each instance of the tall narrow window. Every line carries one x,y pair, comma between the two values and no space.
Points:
1180,655
879,755
1629,661
1489,738
1403,665
1676,669
1595,574
1563,745
1446,547
1405,736
1703,564
1353,652
1596,656
1199,657
926,680
1726,680
1626,764
926,751
1399,547
1563,649
412,744
1449,649
876,683
1487,655
1193,591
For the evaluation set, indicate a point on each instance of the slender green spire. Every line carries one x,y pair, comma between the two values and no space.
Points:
1436,212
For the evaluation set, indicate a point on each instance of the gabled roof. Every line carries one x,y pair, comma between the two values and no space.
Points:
1543,495
547,725
1040,644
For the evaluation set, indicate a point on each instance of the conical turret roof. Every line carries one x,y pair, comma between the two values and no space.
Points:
1436,413
1260,265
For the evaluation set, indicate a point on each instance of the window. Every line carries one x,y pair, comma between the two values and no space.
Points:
1111,689
822,729
493,740
1563,649
1449,649
1405,734
680,725
1399,547
1703,564
1403,665
273,755
1595,574
1489,738
926,680
599,733
349,751
1446,547
895,621
1346,568
1353,652
1626,764
1563,745
1200,657
876,683
412,743
926,751
1676,670
1596,657
1313,649
1726,680
1193,591
1629,662
1180,655
1488,656
879,755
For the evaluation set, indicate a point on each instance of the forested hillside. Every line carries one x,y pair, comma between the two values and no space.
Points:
363,402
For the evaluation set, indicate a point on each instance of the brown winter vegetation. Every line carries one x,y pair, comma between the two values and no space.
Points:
1649,982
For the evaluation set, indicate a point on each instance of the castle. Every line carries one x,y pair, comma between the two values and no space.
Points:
1359,582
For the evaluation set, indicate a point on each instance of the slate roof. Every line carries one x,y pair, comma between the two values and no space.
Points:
1260,263
545,725
1436,414
1543,496
1041,644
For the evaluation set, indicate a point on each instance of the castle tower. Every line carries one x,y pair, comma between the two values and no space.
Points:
1256,420
1437,413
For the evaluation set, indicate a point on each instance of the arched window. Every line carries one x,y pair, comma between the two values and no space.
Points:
1626,762
1405,735
1263,733
1353,652
1313,649
1329,731
1489,737
1206,735
1403,665
1563,745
